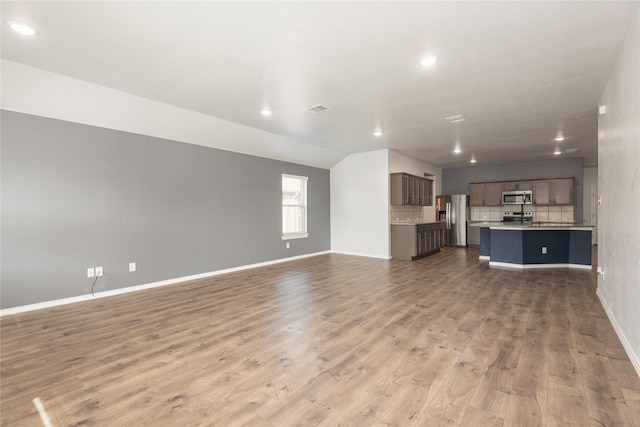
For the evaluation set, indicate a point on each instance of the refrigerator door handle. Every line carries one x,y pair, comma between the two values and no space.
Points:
448,216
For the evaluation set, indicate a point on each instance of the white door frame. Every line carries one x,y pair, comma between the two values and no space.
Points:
593,221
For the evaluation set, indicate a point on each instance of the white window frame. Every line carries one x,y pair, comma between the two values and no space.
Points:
300,234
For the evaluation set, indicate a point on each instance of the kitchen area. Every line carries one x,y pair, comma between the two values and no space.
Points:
412,237
521,224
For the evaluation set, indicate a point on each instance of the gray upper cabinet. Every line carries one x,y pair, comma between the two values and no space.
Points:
476,194
553,192
545,191
542,192
411,190
493,194
517,185
485,194
563,191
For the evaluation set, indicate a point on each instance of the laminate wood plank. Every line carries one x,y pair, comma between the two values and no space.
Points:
525,411
566,405
329,340
474,417
602,392
407,407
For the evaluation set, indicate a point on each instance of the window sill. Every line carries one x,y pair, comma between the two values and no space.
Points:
295,236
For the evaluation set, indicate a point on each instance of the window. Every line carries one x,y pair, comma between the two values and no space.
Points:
294,207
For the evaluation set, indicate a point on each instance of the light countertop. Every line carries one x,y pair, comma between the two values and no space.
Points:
499,225
414,222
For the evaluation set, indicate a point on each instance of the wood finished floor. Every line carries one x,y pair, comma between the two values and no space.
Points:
329,340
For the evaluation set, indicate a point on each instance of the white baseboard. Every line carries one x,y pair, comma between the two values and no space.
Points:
484,257
104,294
363,255
528,266
635,358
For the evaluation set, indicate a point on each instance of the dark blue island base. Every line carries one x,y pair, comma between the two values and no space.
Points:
536,247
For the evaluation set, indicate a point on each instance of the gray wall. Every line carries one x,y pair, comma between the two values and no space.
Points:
77,196
456,181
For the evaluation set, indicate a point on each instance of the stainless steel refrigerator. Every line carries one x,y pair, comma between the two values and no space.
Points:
454,211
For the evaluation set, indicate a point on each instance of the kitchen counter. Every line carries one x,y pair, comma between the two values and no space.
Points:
533,225
535,245
414,222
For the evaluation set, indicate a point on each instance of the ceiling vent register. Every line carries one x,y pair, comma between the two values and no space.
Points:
316,109
455,119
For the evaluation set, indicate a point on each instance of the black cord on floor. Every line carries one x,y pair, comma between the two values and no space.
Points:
94,283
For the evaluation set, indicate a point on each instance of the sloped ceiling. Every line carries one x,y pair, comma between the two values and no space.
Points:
520,73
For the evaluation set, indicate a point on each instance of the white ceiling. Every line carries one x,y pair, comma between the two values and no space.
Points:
519,72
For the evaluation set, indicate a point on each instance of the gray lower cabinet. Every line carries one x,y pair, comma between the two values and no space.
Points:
473,235
409,242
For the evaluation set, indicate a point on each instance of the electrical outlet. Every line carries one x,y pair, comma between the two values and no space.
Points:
98,271
544,250
288,245
132,267
91,272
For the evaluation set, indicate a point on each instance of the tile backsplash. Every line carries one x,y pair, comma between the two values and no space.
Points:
400,213
493,213
540,213
554,213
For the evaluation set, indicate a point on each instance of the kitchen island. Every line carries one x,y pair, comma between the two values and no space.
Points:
535,245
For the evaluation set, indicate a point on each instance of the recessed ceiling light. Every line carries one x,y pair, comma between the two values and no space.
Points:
377,133
265,112
473,160
22,28
559,138
428,60
557,151
457,150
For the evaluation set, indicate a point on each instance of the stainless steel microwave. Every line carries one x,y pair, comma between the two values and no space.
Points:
522,197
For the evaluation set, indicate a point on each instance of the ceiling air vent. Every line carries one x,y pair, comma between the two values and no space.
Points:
571,150
316,109
455,119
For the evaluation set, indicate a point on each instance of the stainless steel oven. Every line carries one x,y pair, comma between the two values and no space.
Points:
521,217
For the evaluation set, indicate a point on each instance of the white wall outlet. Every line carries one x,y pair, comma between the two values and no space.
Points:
544,250
132,267
600,271
98,271
91,272
288,245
